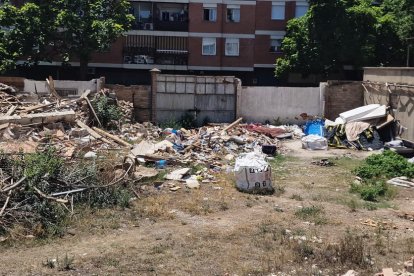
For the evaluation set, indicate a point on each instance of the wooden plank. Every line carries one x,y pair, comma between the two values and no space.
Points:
93,133
113,137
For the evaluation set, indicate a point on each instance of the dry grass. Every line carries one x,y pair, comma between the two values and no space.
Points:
313,228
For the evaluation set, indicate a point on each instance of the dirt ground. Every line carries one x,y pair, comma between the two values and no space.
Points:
217,230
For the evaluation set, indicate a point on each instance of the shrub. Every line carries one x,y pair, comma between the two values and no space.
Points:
387,164
106,111
375,170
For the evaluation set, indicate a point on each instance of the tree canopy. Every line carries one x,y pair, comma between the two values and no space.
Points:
60,29
338,33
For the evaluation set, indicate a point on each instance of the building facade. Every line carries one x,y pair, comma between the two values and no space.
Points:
232,37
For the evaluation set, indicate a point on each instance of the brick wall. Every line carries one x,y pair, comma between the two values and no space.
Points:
137,94
341,96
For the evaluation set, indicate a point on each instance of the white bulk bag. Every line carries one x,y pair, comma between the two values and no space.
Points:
253,173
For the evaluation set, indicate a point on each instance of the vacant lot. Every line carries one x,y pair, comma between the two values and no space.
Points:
312,225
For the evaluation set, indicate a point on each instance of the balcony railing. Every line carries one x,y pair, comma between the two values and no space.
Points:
152,56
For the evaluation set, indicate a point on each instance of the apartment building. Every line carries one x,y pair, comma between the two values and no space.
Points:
231,37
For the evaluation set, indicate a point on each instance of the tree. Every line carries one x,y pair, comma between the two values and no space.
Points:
88,26
24,34
62,30
401,13
337,33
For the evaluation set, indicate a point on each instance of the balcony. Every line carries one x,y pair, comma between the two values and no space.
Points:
163,50
160,16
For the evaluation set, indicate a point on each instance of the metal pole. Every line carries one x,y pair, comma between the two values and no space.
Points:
408,49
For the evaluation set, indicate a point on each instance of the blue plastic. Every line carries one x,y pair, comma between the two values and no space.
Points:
161,164
316,127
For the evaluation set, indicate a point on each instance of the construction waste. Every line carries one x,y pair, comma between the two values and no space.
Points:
57,152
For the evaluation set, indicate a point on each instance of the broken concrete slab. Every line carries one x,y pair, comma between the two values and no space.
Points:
40,118
143,148
192,182
144,172
177,174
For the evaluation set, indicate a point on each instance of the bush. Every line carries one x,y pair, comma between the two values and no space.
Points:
385,165
374,172
106,111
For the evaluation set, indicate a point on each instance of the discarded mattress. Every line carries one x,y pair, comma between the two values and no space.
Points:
363,113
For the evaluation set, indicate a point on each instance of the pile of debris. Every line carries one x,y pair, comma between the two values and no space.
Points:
363,128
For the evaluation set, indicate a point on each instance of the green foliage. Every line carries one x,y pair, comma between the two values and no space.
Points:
312,213
41,30
46,172
375,170
46,164
385,165
106,111
371,190
187,121
336,33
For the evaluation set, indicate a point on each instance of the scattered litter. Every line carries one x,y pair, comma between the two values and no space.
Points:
323,162
382,224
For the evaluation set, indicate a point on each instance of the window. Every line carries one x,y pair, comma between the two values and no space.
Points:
210,14
209,47
275,45
301,10
232,47
278,11
233,13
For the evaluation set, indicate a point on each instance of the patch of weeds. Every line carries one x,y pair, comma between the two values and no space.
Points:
296,197
279,190
159,249
352,249
373,190
312,213
67,263
387,164
187,121
409,244
353,204
107,112
64,264
303,250
223,206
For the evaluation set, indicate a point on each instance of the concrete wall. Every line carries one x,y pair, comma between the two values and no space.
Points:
77,87
208,98
341,96
401,100
402,75
258,104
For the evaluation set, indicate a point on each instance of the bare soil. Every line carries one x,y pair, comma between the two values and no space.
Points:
217,230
